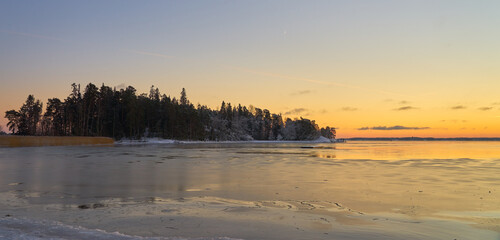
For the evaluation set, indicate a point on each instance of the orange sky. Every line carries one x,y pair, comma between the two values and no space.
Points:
371,69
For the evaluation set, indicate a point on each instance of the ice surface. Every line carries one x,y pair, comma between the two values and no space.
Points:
28,229
252,190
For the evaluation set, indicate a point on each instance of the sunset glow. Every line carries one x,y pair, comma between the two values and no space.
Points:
369,68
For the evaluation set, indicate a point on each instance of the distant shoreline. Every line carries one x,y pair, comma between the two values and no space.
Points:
38,141
174,141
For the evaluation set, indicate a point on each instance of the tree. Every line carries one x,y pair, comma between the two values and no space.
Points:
89,106
222,110
14,119
124,113
73,112
289,132
106,112
328,132
29,116
25,121
183,99
53,119
154,94
276,126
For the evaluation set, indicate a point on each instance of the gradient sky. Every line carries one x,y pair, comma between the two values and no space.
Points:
369,68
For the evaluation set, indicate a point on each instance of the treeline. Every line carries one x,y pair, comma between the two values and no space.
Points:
125,114
425,139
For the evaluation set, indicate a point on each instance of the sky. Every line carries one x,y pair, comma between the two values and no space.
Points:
369,68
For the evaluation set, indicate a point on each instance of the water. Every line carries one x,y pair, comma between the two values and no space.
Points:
367,190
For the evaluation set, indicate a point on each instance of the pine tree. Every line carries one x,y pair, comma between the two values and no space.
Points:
14,120
183,99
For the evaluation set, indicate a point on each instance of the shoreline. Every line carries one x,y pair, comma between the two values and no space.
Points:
39,141
424,139
173,141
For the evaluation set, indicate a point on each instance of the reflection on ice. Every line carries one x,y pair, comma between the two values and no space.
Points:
350,183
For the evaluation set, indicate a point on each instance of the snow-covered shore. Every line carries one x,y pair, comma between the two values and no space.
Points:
171,141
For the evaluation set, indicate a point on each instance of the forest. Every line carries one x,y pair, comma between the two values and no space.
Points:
124,113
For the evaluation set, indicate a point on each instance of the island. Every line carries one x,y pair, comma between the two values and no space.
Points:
125,114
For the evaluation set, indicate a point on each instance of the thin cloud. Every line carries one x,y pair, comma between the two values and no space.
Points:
454,121
303,92
397,127
31,35
405,108
402,102
485,108
39,36
296,111
458,107
147,53
326,83
349,109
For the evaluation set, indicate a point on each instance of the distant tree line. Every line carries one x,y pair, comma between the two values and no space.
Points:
1,131
125,114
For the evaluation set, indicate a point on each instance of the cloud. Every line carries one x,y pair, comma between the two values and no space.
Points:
349,109
405,108
147,53
31,35
496,103
485,108
303,92
458,107
454,121
326,83
296,111
39,36
397,127
403,102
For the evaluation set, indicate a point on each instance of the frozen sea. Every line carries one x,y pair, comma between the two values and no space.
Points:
354,190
